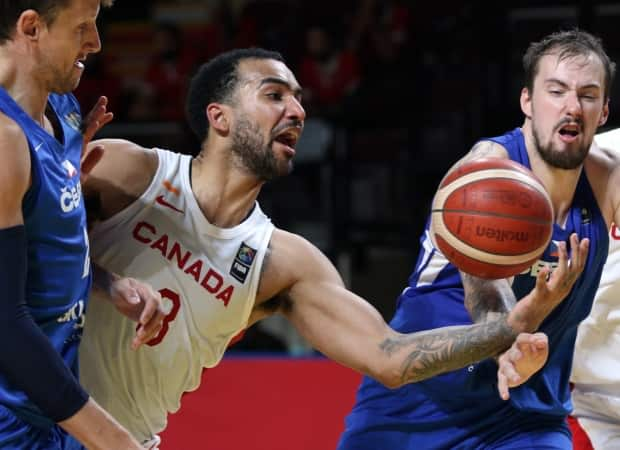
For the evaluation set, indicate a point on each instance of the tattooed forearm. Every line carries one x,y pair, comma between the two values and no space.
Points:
485,297
432,352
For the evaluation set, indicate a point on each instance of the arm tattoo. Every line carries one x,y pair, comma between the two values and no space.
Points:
486,298
432,352
482,149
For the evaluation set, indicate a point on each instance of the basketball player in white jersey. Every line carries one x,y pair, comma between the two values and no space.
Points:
596,364
192,228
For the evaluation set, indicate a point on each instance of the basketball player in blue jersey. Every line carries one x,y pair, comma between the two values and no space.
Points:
565,99
45,274
192,227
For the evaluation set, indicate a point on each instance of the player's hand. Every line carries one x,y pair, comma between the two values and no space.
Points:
96,119
139,302
549,291
527,355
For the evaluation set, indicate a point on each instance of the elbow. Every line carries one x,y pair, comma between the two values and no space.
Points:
389,377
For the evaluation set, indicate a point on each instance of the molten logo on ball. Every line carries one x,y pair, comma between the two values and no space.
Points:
491,218
502,235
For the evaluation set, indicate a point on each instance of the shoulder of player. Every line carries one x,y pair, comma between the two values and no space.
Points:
292,258
121,151
487,149
123,161
482,149
13,152
290,250
14,170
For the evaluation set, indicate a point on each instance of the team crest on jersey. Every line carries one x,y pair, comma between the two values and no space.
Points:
74,120
70,168
242,263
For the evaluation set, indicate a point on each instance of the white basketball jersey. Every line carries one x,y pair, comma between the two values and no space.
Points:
208,278
597,360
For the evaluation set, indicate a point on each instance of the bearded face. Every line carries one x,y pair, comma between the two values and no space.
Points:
553,156
255,153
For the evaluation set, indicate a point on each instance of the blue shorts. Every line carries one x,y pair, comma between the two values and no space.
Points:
522,431
15,434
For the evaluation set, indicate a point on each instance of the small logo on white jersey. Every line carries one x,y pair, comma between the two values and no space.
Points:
70,197
71,170
162,201
242,262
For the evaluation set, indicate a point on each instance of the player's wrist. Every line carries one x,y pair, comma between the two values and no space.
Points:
97,429
103,281
526,315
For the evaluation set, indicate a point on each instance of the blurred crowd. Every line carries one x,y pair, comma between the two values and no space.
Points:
352,58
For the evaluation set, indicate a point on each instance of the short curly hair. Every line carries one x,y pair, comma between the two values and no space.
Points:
216,81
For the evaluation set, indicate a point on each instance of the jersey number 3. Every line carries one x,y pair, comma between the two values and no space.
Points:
176,305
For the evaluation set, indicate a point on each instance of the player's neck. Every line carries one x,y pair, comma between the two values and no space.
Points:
226,195
23,88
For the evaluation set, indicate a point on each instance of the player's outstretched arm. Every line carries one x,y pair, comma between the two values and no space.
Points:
526,356
349,330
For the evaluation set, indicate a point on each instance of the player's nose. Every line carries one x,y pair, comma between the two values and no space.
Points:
295,110
573,104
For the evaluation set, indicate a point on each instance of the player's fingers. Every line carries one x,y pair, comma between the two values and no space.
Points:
525,339
91,158
146,333
154,323
541,279
562,268
502,386
540,339
537,342
105,119
143,336
152,305
580,250
96,119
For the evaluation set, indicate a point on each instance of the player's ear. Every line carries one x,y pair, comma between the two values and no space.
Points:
217,115
526,102
29,24
605,114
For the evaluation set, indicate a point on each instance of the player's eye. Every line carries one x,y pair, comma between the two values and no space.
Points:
274,95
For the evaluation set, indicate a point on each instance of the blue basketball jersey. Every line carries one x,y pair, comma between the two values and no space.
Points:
463,408
58,278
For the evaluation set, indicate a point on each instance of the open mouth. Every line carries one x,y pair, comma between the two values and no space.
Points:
288,138
569,131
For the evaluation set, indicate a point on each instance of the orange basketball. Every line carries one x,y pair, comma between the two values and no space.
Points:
491,218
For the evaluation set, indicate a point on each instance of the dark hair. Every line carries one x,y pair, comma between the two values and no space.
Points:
567,44
10,10
216,81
